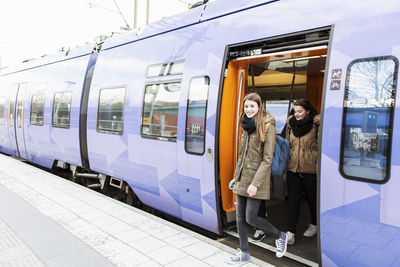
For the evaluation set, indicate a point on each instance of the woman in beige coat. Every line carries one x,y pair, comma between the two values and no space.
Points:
302,166
251,182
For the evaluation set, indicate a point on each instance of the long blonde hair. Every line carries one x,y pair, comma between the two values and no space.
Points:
260,116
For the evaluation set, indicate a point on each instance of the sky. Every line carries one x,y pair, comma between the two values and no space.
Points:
30,29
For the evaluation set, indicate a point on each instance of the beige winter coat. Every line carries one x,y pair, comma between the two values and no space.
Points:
303,150
254,162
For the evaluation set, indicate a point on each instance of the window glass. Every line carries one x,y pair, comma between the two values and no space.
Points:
368,119
160,110
11,112
2,107
62,109
176,68
172,68
110,118
37,109
196,115
279,108
20,112
156,70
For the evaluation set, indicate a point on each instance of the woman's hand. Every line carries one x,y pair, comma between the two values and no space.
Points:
231,184
252,190
284,176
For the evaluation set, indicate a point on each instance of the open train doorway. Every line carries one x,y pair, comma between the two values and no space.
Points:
280,78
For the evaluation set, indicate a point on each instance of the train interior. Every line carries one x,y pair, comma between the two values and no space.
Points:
280,79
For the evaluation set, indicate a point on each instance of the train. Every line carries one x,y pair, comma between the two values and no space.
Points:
153,115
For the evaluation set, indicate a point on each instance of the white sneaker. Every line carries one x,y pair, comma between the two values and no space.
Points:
291,238
311,231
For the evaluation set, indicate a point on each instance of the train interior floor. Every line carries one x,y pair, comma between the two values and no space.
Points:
304,247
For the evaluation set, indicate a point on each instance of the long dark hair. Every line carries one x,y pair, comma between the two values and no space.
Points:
260,116
304,103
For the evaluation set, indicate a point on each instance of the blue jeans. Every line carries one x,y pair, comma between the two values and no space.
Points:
246,213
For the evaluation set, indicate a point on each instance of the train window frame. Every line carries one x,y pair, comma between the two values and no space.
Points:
204,118
3,101
11,112
165,69
160,138
20,110
44,104
124,87
390,126
69,111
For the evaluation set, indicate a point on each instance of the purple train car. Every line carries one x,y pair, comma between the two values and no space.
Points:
152,117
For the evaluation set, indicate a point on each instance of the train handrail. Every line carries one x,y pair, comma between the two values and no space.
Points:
237,116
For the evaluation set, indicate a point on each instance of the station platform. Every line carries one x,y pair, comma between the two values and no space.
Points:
46,220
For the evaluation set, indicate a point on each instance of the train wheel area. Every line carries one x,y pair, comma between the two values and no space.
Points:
52,221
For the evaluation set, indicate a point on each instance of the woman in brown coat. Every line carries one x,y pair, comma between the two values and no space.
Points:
251,182
302,130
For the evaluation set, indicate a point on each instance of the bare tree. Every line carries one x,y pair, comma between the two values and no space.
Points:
373,79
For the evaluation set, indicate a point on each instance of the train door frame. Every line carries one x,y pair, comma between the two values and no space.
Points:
20,123
11,122
281,47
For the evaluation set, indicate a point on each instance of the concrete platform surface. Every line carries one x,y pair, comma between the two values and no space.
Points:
46,220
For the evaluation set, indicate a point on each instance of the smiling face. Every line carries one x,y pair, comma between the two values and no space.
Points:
300,113
250,108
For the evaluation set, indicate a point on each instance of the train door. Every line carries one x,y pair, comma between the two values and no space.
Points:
12,121
19,125
197,163
360,162
279,78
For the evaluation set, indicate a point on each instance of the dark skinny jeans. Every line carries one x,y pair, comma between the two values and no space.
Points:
246,213
296,182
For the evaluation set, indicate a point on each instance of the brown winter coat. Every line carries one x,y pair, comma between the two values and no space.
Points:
303,150
254,162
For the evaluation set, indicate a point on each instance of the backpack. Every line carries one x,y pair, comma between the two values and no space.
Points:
281,156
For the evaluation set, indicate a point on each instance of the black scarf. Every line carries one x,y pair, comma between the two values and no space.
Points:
248,125
301,127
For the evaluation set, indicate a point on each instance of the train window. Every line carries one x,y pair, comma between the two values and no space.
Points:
11,112
279,108
369,102
196,115
156,70
37,110
110,116
176,68
160,111
2,107
172,68
20,112
62,109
